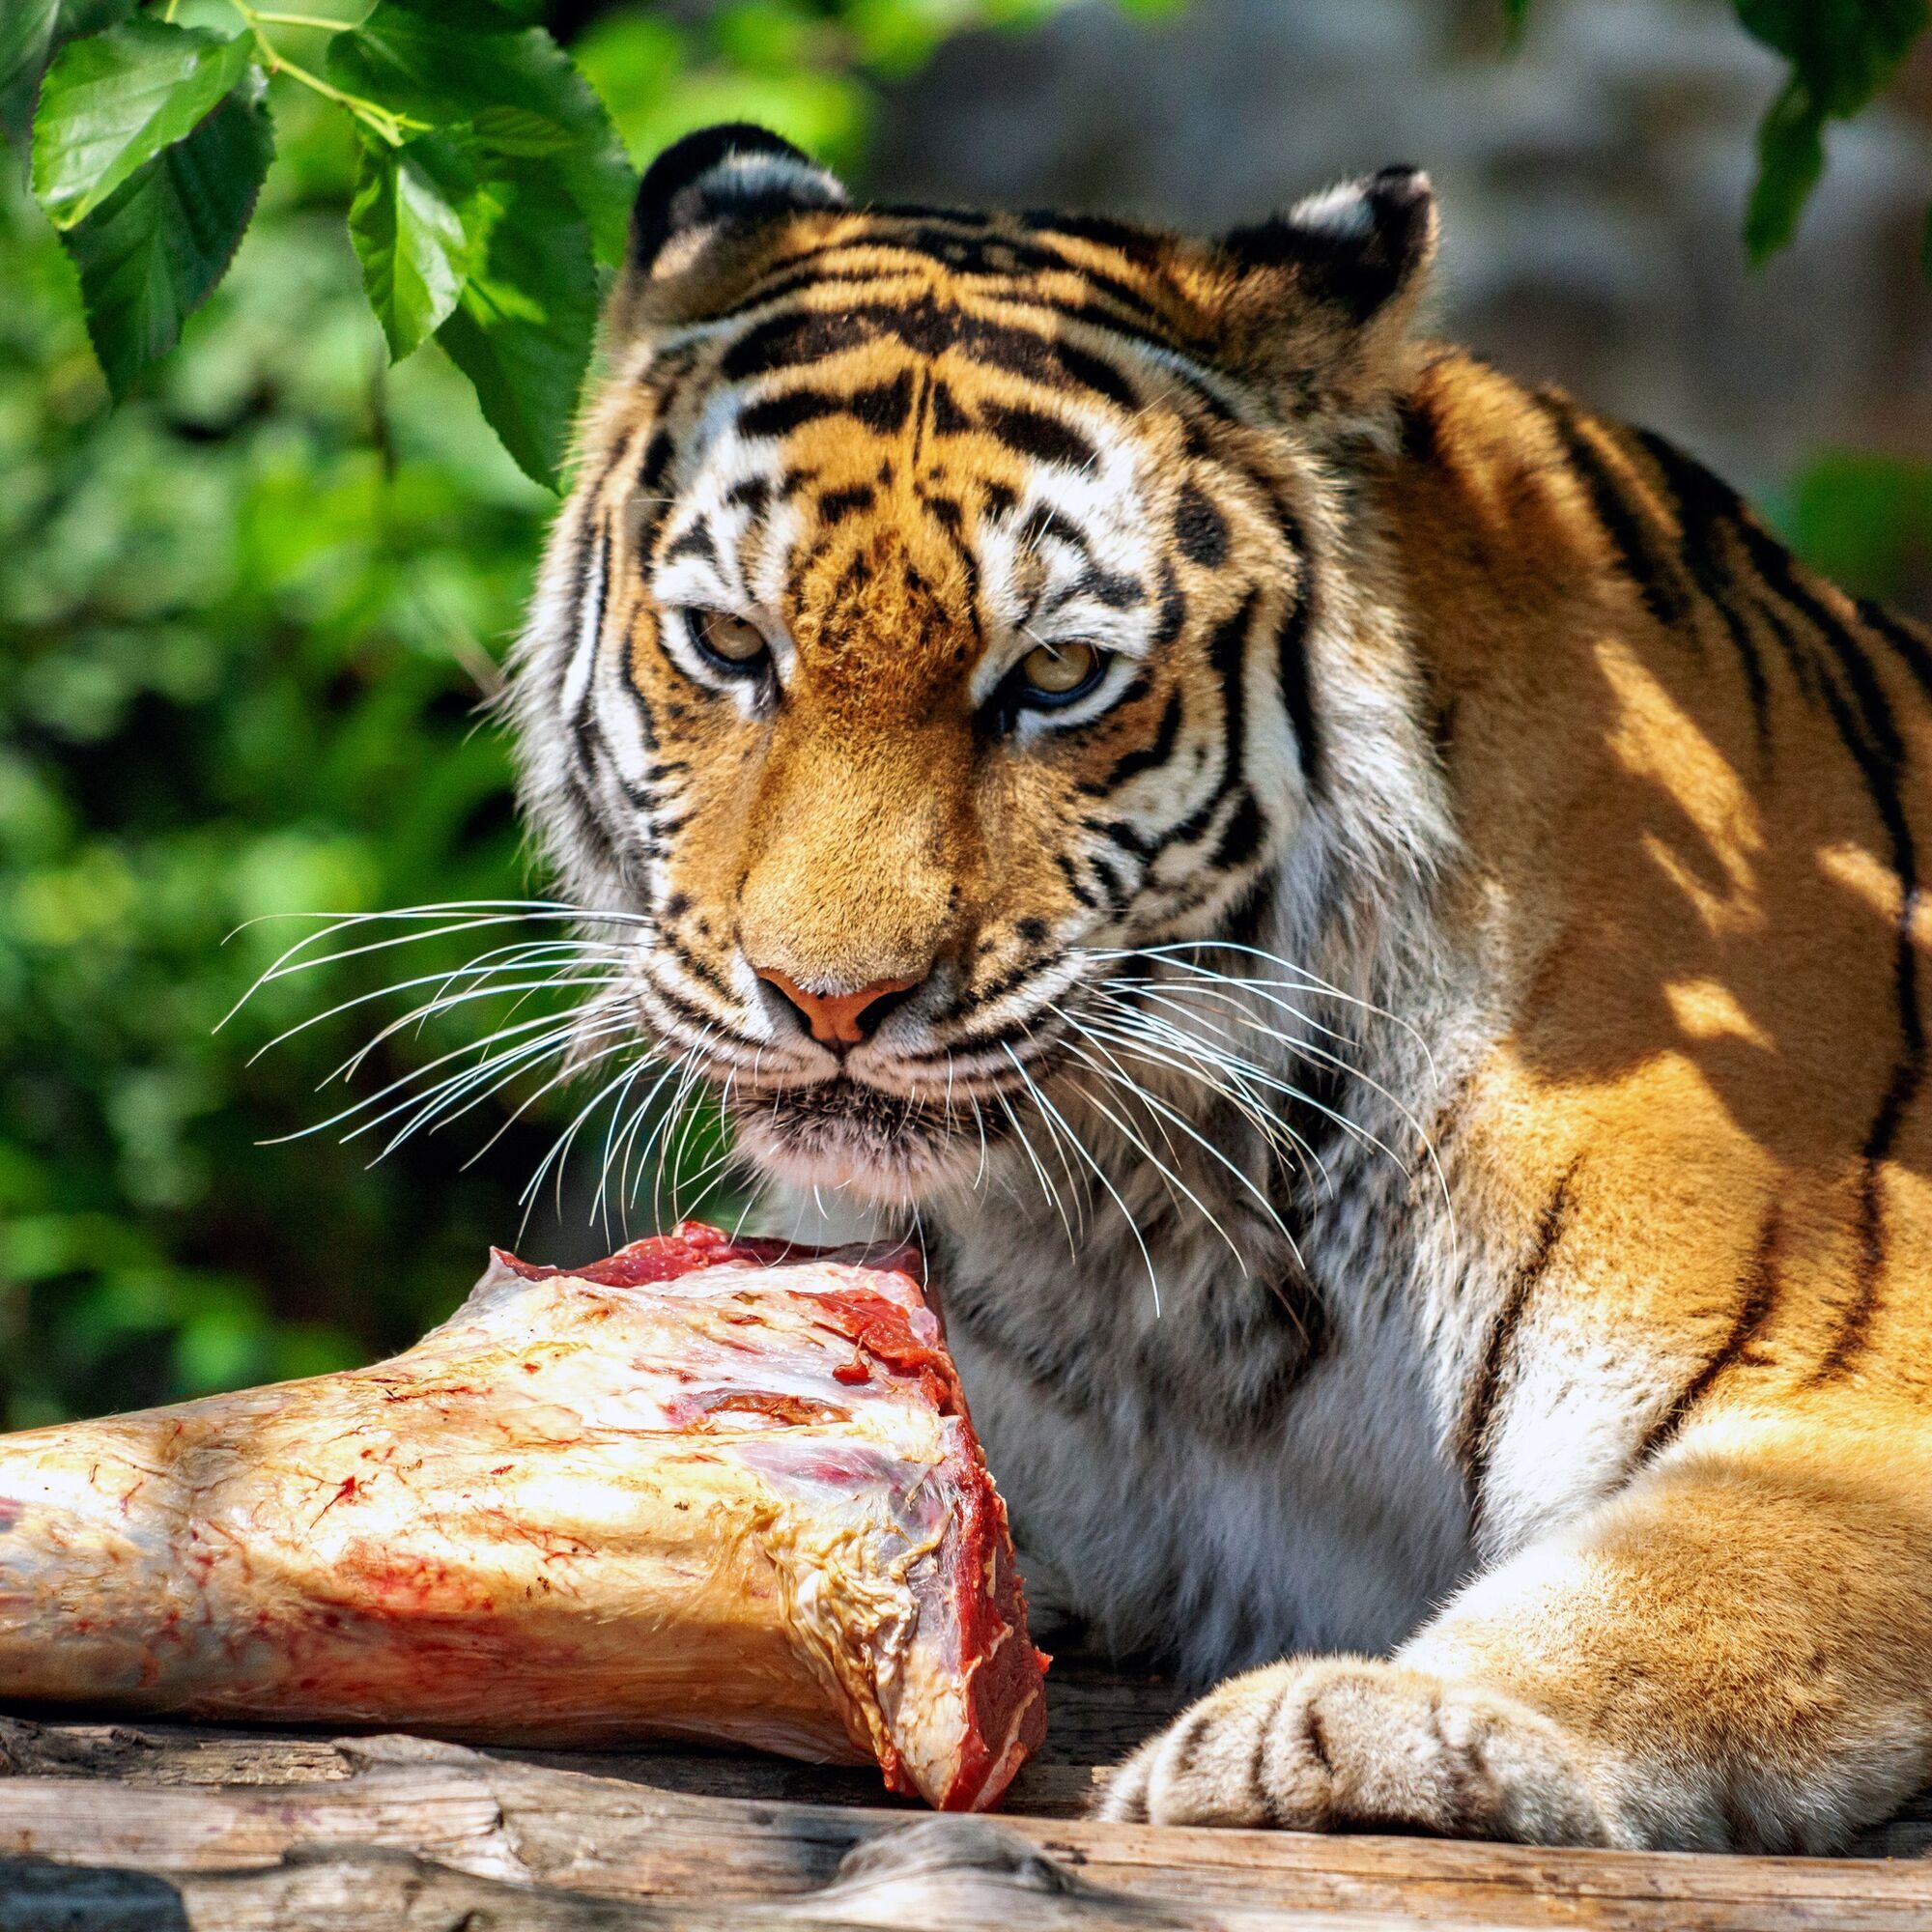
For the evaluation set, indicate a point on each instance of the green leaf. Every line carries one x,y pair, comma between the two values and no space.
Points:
111,102
154,248
31,33
1841,53
1516,19
522,329
1790,158
459,67
1843,50
406,224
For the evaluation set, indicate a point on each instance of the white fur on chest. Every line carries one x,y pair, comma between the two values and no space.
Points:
1336,1523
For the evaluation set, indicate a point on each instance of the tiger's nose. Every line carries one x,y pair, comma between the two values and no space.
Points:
840,1019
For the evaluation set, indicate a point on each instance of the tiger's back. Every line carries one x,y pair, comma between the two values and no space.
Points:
1693,775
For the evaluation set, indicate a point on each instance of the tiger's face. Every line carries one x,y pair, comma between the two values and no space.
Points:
929,632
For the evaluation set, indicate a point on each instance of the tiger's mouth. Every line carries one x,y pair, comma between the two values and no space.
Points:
888,1148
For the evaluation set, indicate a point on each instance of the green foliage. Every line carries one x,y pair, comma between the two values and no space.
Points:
246,619
148,145
150,142
417,250
1841,53
521,330
153,249
1866,521
511,98
30,30
111,102
238,679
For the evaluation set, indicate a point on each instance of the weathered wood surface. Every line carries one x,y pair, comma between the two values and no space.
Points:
106,1827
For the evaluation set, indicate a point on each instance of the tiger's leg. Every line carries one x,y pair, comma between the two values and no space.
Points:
1735,1652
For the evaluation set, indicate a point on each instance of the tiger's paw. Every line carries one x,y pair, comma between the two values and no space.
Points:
1348,1744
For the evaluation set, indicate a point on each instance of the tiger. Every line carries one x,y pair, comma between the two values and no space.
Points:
1372,917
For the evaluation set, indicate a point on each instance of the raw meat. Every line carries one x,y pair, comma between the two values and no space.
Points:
704,1489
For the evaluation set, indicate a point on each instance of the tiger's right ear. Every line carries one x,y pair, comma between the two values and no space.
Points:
702,199
1317,304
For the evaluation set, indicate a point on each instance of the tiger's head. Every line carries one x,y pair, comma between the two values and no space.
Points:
936,622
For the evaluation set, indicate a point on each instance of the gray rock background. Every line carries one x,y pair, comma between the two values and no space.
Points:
1593,188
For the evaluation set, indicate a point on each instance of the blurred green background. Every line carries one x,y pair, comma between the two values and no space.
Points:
245,624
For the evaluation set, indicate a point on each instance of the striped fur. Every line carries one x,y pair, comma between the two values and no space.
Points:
1491,858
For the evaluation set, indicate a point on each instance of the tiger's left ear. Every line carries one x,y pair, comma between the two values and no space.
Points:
1317,304
702,206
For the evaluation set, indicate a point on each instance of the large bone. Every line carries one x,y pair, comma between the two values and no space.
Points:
702,1490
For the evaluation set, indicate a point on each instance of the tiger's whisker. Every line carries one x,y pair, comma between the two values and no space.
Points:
1121,1077
1100,1174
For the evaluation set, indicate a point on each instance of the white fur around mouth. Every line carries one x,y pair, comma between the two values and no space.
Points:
841,1134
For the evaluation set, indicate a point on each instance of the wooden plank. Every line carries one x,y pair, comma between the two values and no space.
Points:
945,1875
279,1827
182,1803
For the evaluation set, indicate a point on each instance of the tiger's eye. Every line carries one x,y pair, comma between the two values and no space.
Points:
1056,669
729,638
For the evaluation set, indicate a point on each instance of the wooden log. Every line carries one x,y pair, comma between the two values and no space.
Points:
962,1876
125,1797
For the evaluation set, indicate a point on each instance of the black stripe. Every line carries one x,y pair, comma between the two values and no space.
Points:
1007,257
1074,883
1908,1075
1706,507
1855,1319
1033,433
1779,571
1475,1433
694,1016
1045,520
1905,639
1227,654
951,519
794,338
1008,982
1119,833
1095,372
1145,758
947,416
1291,649
1185,1740
1758,1289
1199,528
920,420
1243,837
1791,648
657,453
1139,245
694,542
590,825
1173,608
1621,516
1114,886
836,505
1114,589
581,588
882,408
706,975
